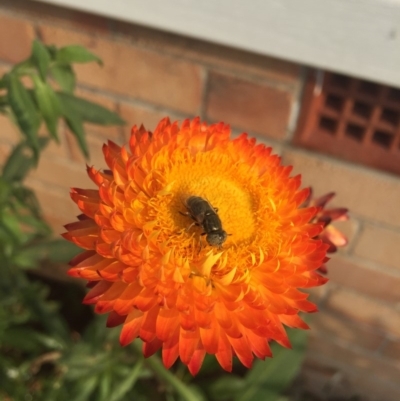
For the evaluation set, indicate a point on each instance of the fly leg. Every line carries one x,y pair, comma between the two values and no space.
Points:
201,242
187,214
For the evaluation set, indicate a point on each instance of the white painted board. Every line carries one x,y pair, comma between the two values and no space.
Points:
356,37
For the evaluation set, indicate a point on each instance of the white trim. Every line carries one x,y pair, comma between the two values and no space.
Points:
356,37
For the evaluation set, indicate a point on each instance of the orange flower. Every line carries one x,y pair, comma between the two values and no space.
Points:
153,272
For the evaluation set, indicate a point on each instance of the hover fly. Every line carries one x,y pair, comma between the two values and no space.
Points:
205,216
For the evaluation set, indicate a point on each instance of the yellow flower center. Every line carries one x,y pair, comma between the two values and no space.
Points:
229,186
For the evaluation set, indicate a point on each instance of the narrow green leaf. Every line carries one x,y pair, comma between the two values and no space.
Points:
25,112
20,161
128,383
226,387
86,388
22,338
49,105
24,66
76,54
28,198
104,390
64,75
57,251
61,251
75,124
11,225
88,111
25,262
268,379
41,58
38,227
5,191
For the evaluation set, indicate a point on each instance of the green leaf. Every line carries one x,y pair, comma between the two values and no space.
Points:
35,226
28,198
75,124
88,111
128,383
86,388
5,191
20,161
26,339
226,387
62,251
31,256
105,386
41,58
76,54
49,105
268,379
64,75
25,112
11,225
3,101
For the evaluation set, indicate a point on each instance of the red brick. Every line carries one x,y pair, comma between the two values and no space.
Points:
248,106
136,115
57,206
113,132
322,379
376,389
10,136
5,150
54,148
392,349
135,72
61,173
353,274
346,358
359,308
9,131
4,68
365,192
95,143
16,38
332,326
211,55
379,244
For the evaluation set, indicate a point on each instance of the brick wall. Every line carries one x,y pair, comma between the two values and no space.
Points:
148,74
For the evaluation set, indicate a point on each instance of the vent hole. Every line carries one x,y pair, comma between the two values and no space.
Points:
382,138
340,81
390,116
328,125
334,102
368,88
394,95
363,110
355,131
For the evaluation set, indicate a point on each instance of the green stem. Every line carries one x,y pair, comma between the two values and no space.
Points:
165,375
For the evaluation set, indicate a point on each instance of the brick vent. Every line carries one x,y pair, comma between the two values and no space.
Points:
352,119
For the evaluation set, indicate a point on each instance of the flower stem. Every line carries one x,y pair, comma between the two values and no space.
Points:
165,375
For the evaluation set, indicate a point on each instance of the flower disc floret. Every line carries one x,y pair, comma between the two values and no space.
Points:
151,268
